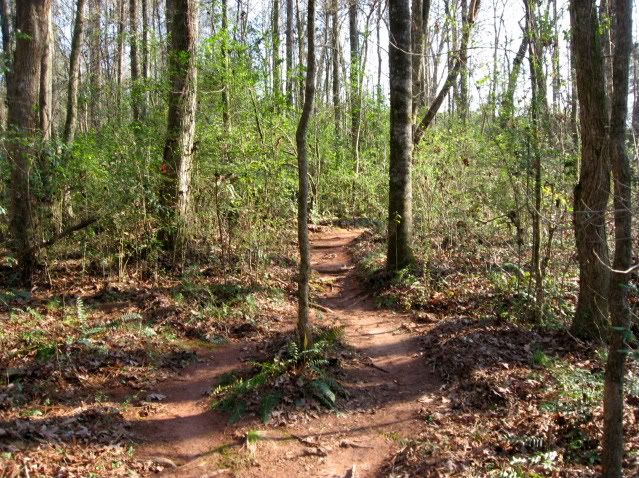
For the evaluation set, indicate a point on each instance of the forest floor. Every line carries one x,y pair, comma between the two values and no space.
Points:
386,382
114,379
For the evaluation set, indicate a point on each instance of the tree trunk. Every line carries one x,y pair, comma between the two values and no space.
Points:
46,79
353,34
136,87
400,214
74,75
95,76
300,51
450,79
22,101
613,436
417,58
289,52
178,149
506,109
145,54
535,58
120,52
556,70
335,69
463,72
635,91
593,189
302,197
226,101
275,40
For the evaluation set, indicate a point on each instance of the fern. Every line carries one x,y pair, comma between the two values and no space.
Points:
79,310
321,390
268,404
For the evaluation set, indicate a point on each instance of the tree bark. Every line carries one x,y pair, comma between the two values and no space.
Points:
400,214
353,35
23,121
613,435
506,110
74,75
335,69
463,71
303,193
46,79
593,189
145,54
226,96
178,149
136,87
417,58
275,43
95,75
450,79
120,52
289,52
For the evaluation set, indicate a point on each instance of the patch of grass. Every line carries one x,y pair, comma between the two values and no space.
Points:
540,359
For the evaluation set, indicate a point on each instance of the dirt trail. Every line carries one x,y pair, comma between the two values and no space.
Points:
385,385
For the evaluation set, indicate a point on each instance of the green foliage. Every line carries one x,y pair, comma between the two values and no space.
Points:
295,371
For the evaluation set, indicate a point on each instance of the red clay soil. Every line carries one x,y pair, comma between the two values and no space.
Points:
386,382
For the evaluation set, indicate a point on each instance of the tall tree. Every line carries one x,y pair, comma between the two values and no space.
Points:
46,79
95,60
178,148
303,193
593,189
463,62
136,87
120,52
335,68
400,214
613,435
22,102
451,78
289,52
353,35
275,43
74,74
226,101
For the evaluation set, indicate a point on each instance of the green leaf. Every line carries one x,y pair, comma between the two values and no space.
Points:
268,404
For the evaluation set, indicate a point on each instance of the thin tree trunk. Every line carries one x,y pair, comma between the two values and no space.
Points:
506,109
300,51
353,34
289,52
556,71
136,87
613,435
145,53
417,58
226,96
302,197
536,73
74,75
46,80
95,77
120,53
400,214
22,101
178,149
335,69
463,72
275,43
451,78
593,189
379,90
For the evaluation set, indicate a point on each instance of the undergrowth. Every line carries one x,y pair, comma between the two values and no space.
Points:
292,376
